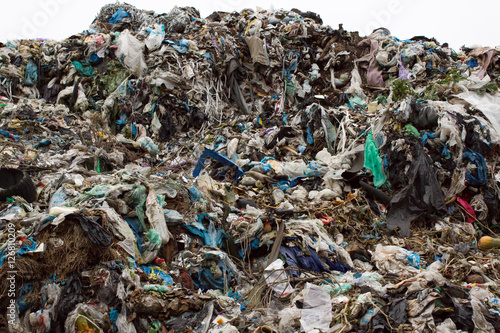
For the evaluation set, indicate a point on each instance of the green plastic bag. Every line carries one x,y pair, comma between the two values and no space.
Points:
98,191
84,69
154,236
358,101
373,162
410,129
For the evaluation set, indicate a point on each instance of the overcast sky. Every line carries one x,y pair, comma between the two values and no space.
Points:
456,22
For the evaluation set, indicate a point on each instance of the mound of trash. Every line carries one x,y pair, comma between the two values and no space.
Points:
247,172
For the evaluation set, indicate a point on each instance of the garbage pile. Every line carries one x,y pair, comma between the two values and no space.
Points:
247,172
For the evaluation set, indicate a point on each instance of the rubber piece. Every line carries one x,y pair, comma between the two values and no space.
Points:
384,198
16,182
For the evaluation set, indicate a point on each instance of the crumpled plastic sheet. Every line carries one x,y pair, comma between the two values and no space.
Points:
317,309
422,196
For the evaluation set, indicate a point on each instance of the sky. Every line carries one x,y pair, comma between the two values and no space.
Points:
456,22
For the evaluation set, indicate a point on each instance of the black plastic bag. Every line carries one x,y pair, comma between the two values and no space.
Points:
97,234
421,197
423,116
492,202
398,312
70,297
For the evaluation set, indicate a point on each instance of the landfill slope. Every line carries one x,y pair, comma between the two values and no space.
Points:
250,171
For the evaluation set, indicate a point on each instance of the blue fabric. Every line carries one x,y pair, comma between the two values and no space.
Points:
266,167
294,57
135,224
43,143
208,56
480,179
295,181
265,159
206,277
282,185
94,59
195,193
472,63
413,259
2,256
408,41
134,131
83,68
314,169
254,245
113,316
296,258
208,281
336,266
119,15
429,64
445,152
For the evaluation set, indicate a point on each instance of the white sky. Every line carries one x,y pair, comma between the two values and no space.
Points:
456,22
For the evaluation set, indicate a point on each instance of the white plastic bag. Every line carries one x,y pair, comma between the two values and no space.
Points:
123,325
395,260
277,278
130,49
356,81
317,310
227,328
288,316
448,326
278,195
489,104
294,169
155,38
232,147
121,226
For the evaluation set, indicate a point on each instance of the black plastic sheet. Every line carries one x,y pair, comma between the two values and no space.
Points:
422,195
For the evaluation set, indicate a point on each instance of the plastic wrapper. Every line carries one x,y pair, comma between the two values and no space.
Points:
156,217
317,310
